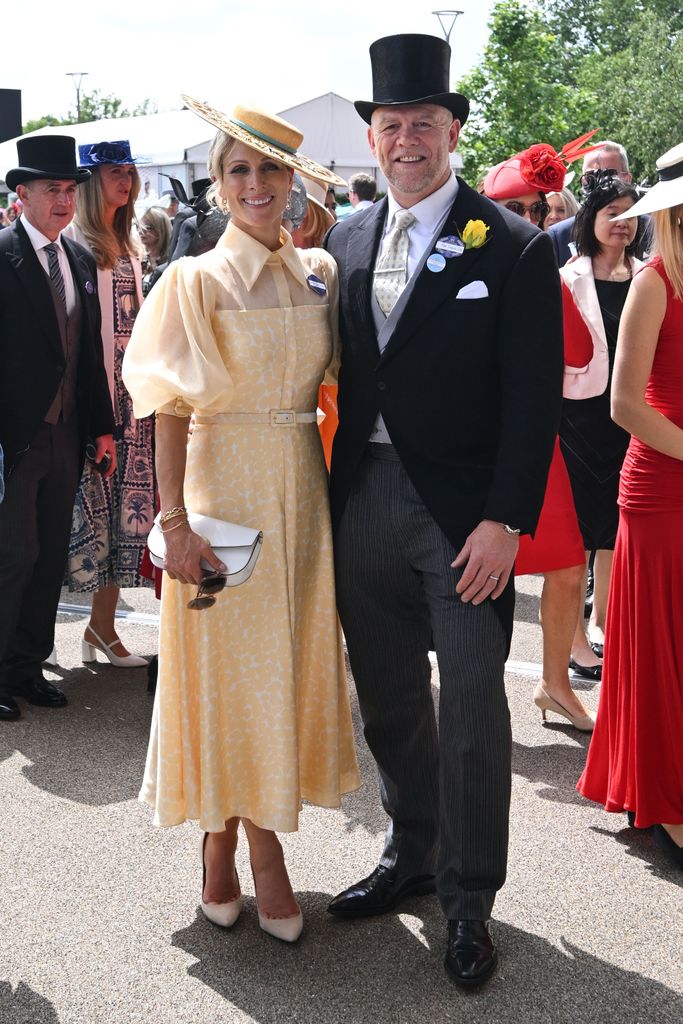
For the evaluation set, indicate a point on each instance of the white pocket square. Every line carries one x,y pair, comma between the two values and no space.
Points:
473,290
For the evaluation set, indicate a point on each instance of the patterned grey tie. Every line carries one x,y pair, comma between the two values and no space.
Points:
391,270
55,272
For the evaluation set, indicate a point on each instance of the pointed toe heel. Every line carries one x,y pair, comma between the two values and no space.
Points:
543,700
287,929
89,653
222,914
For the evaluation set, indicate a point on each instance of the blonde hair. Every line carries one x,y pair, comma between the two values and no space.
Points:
106,243
160,223
569,199
669,245
219,151
313,228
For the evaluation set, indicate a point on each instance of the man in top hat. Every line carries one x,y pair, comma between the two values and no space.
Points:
449,402
53,396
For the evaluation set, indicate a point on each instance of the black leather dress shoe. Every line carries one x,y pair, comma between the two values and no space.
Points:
37,690
9,709
599,649
379,893
587,671
471,957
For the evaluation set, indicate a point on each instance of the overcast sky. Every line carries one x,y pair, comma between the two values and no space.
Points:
268,52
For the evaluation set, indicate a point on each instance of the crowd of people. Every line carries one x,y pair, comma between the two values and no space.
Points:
510,371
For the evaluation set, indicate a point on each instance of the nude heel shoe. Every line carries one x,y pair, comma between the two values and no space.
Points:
222,914
287,929
543,700
89,653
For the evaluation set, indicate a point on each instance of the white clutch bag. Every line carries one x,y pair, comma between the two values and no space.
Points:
238,547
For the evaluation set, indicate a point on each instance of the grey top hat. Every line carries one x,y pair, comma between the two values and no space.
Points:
46,156
409,69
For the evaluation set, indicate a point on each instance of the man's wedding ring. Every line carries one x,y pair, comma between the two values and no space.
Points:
496,578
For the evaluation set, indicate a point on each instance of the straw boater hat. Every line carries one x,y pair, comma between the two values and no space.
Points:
667,192
266,133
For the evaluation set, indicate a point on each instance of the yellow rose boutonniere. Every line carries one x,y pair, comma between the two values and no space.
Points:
475,234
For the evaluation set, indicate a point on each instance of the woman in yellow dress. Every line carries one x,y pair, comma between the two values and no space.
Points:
251,714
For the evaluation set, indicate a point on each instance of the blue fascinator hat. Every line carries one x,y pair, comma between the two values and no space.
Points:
98,153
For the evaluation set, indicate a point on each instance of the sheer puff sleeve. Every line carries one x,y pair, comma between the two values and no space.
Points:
172,363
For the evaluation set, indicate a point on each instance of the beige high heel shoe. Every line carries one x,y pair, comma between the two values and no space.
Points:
543,700
287,929
222,914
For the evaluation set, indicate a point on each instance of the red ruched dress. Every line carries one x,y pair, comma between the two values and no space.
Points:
635,759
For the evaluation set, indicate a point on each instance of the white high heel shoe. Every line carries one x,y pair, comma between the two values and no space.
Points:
222,914
88,653
52,657
287,929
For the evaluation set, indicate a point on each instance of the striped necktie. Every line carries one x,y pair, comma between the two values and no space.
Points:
391,270
55,272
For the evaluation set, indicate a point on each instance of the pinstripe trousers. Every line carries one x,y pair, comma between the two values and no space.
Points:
447,789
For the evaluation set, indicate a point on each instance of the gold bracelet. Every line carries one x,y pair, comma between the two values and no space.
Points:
185,522
179,510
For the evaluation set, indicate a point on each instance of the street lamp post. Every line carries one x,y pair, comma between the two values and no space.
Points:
444,17
77,77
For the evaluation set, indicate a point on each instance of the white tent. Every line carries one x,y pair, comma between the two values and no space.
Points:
178,141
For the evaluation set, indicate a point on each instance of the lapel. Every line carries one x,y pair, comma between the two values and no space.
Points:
361,249
83,281
33,280
431,290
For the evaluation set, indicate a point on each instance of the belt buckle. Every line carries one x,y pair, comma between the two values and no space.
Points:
282,418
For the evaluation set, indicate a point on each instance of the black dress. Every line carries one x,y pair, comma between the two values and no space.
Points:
592,444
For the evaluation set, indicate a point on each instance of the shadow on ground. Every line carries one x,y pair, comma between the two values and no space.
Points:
24,1006
379,970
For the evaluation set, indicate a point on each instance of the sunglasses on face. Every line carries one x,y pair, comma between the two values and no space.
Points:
211,585
537,211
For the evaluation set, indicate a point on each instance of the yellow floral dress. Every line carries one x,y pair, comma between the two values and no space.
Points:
252,712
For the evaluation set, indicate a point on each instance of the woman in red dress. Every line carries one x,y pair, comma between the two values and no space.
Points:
635,760
521,184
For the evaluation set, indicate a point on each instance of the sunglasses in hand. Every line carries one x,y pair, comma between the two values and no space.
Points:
212,584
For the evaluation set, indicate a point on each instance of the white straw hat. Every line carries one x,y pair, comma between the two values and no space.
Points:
667,192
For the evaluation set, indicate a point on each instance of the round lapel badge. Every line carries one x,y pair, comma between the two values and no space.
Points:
89,287
316,285
436,263
450,246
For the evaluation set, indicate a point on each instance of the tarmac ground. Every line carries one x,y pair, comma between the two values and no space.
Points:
99,911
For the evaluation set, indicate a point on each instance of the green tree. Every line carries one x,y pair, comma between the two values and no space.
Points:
94,107
519,91
606,26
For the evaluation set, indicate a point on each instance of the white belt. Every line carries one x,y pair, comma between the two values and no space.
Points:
275,417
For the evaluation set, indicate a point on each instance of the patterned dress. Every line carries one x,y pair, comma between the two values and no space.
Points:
113,517
252,710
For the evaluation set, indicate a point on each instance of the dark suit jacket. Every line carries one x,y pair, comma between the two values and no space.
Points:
470,389
31,355
560,235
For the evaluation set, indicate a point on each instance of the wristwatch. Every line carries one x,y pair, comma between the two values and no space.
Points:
511,530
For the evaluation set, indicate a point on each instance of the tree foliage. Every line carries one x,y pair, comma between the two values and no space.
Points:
94,107
552,70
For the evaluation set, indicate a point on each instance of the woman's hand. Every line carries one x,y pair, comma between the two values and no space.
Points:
185,550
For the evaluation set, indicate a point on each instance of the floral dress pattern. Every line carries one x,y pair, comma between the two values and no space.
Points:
113,517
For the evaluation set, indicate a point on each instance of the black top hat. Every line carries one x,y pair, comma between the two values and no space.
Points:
46,156
412,69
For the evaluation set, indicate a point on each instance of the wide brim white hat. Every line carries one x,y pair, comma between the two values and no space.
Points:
667,192
266,133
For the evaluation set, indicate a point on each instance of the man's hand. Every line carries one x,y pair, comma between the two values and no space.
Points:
105,446
488,555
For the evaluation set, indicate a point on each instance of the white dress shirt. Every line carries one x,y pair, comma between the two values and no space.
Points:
39,241
430,215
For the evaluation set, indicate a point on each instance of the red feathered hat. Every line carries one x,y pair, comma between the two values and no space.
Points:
536,169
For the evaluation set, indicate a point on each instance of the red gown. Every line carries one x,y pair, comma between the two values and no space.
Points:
557,543
635,759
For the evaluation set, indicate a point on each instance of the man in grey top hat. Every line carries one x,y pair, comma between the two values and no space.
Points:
53,397
449,401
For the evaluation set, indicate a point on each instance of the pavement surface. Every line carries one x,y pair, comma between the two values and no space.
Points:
99,912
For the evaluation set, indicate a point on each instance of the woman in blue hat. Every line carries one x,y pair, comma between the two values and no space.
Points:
112,517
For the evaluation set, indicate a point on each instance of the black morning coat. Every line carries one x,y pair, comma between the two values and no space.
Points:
470,389
31,355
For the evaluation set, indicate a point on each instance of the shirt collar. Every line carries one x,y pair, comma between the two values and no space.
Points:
431,210
249,257
37,239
